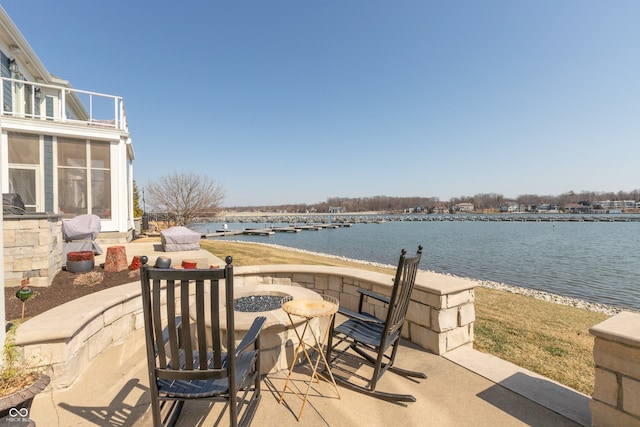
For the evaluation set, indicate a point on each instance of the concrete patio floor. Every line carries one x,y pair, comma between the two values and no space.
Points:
465,387
114,392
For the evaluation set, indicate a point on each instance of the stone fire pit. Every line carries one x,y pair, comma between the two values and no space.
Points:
257,303
278,338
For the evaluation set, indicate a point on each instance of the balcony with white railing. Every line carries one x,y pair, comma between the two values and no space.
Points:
31,100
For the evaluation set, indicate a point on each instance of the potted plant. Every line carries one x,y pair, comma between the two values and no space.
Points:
19,383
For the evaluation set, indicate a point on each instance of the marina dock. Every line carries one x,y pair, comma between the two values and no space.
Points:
297,227
270,231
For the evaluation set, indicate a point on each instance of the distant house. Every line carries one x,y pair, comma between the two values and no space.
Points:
463,207
546,208
440,209
618,204
336,210
578,208
415,209
509,207
63,151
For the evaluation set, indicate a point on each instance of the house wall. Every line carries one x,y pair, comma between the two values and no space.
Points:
121,177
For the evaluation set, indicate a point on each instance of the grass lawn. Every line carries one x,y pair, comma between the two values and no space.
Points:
550,339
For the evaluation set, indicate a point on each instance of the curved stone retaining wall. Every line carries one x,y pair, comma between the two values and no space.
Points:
67,338
441,313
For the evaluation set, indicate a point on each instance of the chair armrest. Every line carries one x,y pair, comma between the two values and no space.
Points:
251,335
365,317
373,295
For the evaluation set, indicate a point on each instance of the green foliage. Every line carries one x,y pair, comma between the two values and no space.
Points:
10,366
137,211
15,374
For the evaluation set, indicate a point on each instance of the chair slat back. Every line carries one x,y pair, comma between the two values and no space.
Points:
184,339
401,294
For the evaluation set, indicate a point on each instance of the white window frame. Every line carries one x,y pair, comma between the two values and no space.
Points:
107,222
38,167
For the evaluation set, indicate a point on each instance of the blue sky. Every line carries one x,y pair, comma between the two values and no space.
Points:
289,101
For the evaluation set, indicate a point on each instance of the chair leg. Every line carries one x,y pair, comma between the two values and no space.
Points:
380,366
406,373
400,371
258,367
255,397
233,404
171,415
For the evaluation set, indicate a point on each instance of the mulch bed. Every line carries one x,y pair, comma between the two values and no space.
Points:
66,286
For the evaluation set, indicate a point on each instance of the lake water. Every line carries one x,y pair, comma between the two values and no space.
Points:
593,261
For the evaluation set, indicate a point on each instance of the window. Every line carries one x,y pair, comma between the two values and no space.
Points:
84,177
100,179
6,85
25,169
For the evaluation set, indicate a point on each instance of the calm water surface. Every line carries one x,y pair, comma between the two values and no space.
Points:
594,261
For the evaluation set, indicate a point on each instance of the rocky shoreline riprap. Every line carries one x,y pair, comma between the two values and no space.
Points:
541,295
546,296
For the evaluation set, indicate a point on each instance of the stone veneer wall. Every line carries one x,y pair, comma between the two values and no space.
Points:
33,247
616,395
67,338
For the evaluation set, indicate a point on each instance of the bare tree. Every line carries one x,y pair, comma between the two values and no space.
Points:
185,196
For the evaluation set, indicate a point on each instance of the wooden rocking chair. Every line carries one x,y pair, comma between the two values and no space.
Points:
369,338
185,352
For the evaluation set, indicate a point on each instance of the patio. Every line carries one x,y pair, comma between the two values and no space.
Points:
113,391
463,387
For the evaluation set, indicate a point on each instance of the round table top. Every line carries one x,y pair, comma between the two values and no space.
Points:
310,307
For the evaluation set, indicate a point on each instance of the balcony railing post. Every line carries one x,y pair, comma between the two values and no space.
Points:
116,115
63,105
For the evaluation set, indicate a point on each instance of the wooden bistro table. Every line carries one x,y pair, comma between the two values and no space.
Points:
309,309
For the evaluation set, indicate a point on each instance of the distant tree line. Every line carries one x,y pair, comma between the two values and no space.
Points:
490,201
481,202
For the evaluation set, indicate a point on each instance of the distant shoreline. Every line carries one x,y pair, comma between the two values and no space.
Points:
259,214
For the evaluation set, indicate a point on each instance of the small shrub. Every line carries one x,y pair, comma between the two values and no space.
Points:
14,374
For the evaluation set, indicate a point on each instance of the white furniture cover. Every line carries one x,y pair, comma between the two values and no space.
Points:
79,234
180,239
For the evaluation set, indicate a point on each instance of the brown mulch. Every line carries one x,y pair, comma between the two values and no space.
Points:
66,286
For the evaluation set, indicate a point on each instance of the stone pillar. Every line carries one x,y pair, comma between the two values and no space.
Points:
32,248
616,352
